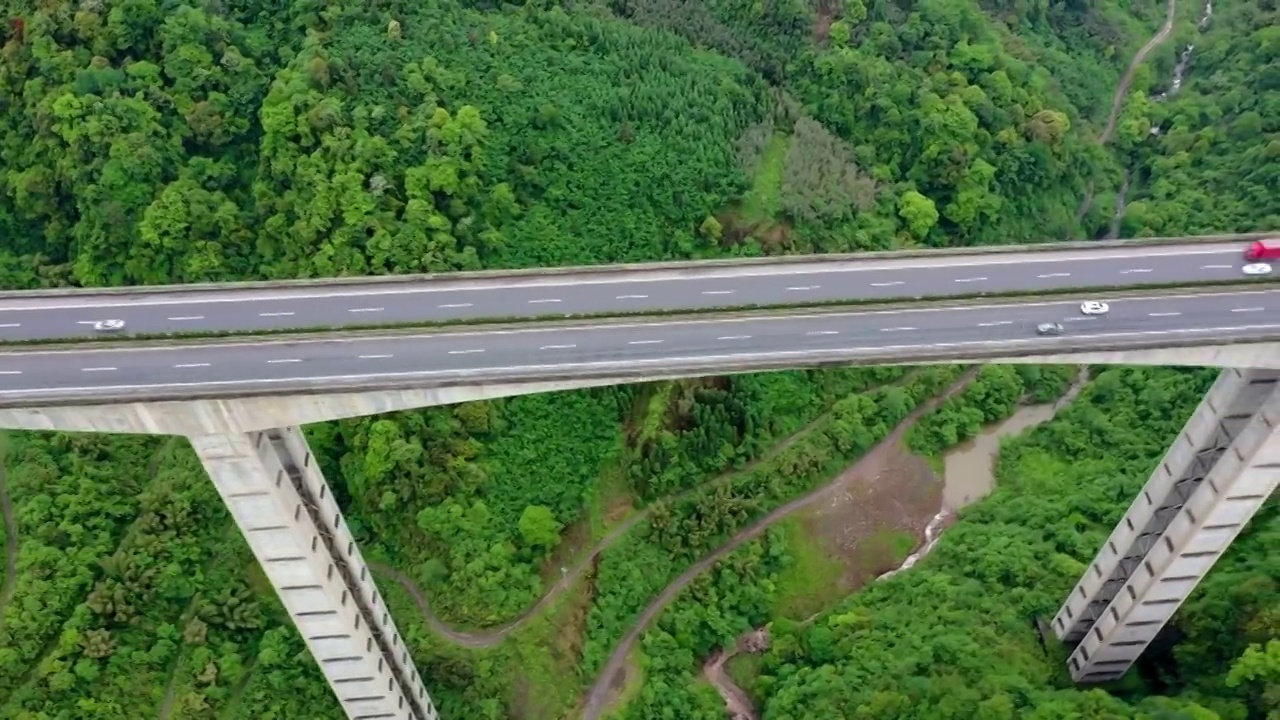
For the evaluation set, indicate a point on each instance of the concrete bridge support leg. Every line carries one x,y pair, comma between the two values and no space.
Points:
1218,473
275,492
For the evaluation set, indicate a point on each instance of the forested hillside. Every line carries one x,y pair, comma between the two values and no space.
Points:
527,545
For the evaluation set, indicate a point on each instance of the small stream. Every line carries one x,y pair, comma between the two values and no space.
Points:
969,469
1175,84
1184,60
969,476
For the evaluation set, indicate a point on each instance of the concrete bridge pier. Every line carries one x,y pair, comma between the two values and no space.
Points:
1219,471
272,487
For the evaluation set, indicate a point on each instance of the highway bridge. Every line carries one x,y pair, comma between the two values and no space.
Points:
623,350
623,289
241,401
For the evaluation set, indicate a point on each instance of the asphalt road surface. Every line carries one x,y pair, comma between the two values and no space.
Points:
240,310
568,351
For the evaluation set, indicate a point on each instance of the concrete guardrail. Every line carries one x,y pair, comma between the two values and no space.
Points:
620,269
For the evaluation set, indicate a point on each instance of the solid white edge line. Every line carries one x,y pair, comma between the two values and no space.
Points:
630,363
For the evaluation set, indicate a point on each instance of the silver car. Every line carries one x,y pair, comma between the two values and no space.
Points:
108,325
1049,329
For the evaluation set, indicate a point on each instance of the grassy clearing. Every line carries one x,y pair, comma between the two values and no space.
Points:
763,203
892,546
744,670
812,580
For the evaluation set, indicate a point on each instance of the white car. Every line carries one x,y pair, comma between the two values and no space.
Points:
1093,307
108,325
1257,269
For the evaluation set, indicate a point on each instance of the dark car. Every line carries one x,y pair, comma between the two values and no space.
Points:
1049,329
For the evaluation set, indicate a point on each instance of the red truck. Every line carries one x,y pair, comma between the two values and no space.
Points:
1268,249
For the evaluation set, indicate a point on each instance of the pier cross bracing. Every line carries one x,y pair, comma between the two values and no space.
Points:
1218,473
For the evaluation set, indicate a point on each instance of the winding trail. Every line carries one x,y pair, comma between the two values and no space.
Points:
1122,91
596,698
10,581
736,701
489,637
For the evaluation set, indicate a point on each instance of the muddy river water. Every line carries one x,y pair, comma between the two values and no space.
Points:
970,469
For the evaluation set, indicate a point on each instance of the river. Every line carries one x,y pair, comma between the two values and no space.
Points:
969,469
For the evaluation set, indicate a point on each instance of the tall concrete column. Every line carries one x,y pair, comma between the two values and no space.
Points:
1217,474
275,492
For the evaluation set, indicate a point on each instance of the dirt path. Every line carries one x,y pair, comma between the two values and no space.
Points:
488,637
10,580
1122,91
868,464
736,702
